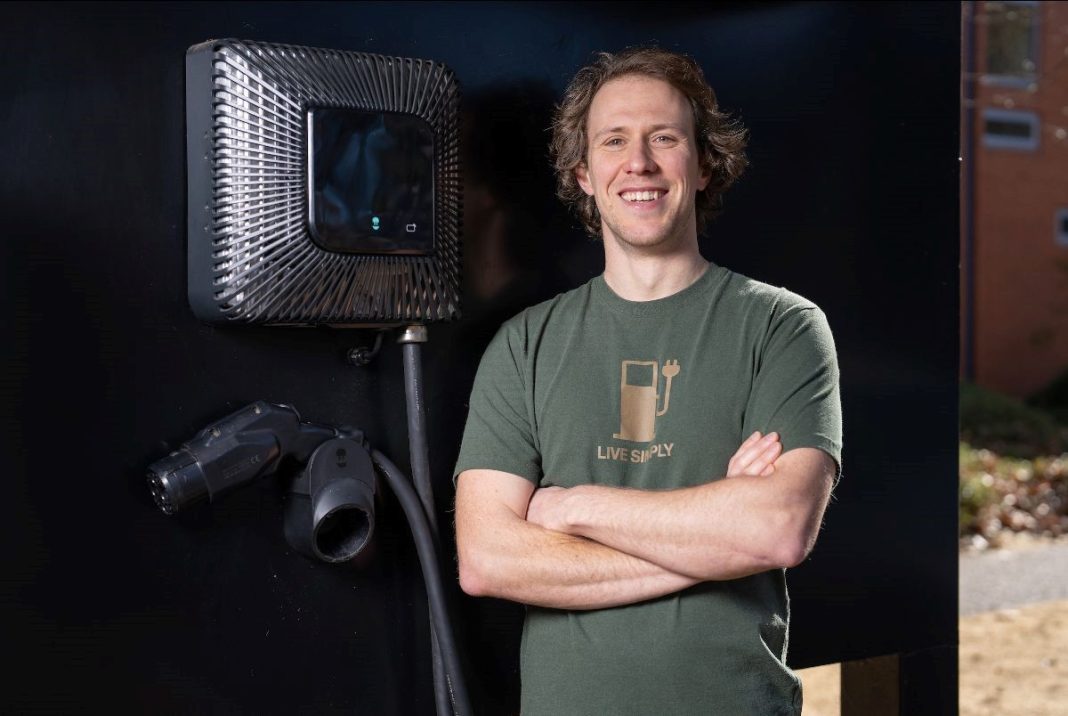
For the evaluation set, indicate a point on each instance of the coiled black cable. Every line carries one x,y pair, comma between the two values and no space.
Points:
426,548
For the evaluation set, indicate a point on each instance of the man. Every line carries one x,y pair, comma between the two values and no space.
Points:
646,454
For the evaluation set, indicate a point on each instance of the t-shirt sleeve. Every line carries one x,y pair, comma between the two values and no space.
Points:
499,434
795,390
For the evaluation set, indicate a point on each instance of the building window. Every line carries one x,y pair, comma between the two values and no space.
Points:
1010,129
1011,42
1060,227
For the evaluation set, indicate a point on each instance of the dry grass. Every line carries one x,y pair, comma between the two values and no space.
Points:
1015,661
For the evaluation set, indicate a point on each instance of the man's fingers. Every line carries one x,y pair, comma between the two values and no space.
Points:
734,466
755,455
766,459
746,456
763,458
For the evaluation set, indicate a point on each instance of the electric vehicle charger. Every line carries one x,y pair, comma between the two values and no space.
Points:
324,188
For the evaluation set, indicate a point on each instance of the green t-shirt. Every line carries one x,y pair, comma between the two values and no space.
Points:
591,388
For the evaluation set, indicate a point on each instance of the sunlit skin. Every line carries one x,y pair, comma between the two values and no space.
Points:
640,132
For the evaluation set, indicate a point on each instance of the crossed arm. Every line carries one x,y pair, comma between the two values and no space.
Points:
591,547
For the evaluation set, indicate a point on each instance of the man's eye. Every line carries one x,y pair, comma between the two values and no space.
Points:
614,142
664,139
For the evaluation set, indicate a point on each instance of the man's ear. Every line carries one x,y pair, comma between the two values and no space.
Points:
703,177
582,175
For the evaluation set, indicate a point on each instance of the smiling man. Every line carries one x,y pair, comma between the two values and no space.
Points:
645,455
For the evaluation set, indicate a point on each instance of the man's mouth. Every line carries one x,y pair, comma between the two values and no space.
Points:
640,196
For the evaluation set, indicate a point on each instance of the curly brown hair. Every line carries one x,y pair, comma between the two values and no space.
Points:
720,140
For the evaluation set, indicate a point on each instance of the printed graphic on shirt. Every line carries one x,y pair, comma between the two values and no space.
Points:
623,454
640,396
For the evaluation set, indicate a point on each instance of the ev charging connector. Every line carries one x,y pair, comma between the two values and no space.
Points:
232,452
330,511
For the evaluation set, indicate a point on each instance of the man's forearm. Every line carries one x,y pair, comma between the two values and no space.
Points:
726,529
536,566
698,532
510,558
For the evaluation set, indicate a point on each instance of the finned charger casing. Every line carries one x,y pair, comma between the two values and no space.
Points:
323,186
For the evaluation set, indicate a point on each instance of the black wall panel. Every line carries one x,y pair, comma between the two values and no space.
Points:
108,604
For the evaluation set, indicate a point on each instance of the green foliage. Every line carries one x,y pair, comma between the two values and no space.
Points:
1008,426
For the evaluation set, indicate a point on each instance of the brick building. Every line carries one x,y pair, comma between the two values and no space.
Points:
1014,195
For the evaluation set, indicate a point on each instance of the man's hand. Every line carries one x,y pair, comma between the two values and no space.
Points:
545,508
755,456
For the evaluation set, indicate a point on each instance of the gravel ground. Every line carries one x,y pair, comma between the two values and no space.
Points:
1003,579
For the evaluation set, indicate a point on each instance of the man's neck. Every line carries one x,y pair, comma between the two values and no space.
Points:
640,276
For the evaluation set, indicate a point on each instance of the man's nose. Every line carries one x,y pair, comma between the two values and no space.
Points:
640,158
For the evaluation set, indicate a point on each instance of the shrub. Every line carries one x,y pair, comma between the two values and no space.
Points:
1053,398
976,490
1008,426
1000,495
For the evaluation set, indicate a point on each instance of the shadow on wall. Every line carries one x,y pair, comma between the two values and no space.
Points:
514,228
518,239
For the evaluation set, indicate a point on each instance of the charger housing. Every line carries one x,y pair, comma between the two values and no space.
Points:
324,186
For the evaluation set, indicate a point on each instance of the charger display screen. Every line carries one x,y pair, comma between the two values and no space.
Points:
370,181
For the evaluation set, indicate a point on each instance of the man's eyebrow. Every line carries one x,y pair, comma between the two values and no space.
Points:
608,130
654,128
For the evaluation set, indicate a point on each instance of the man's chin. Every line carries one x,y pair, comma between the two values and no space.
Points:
653,241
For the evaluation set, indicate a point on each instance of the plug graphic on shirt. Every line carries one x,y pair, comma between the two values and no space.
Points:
639,397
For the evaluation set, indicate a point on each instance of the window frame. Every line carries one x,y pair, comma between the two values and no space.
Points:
1060,227
998,141
1016,80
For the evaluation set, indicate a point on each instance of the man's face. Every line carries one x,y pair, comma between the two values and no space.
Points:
641,167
